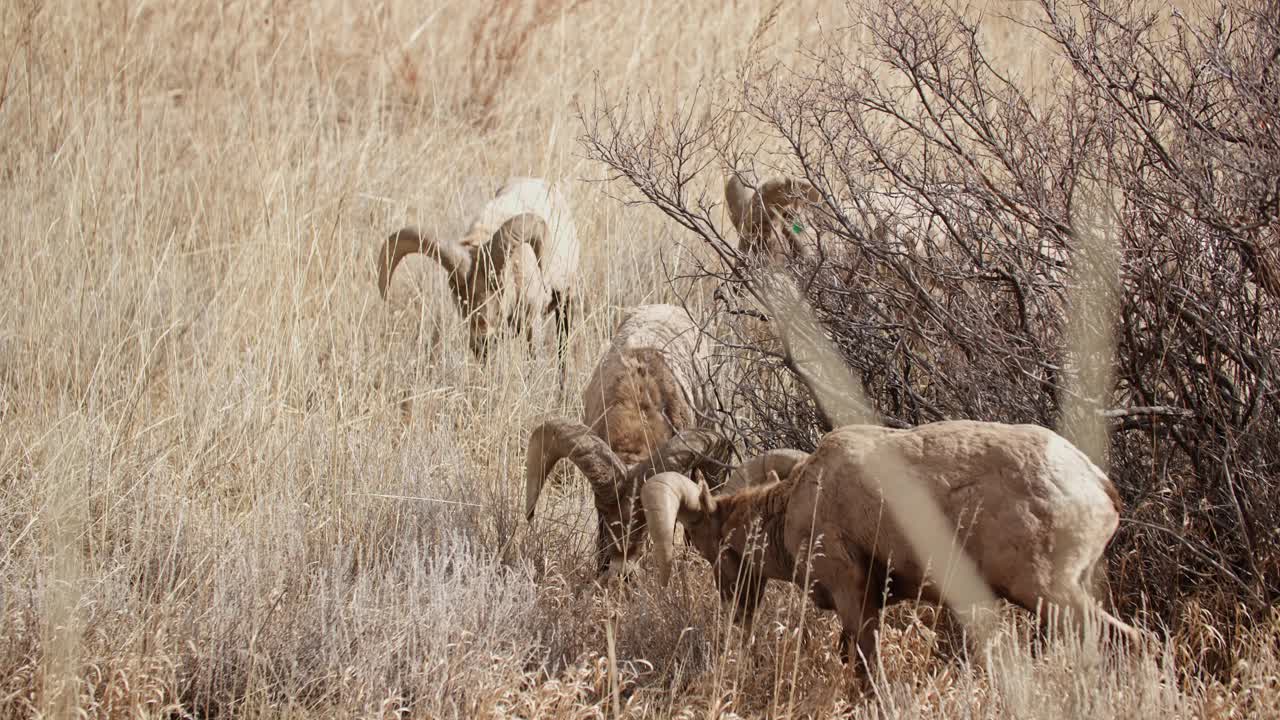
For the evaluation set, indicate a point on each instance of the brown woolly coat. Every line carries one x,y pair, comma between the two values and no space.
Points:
644,389
1028,507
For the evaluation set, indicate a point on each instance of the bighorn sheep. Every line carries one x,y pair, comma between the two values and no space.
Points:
640,411
515,264
768,218
1029,508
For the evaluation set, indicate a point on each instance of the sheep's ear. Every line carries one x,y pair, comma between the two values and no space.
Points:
772,477
805,190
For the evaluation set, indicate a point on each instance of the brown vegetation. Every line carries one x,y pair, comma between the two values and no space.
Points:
980,303
210,505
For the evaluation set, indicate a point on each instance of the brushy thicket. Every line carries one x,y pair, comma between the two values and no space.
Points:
950,262
236,483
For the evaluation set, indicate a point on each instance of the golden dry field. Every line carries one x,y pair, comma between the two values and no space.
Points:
234,482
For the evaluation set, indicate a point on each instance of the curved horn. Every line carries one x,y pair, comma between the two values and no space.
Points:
554,440
521,229
664,497
779,193
406,241
684,453
756,470
738,197
524,228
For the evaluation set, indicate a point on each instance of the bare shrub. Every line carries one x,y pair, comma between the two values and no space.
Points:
200,392
954,199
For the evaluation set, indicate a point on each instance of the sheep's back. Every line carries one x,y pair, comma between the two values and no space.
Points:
640,405
1015,494
620,399
559,261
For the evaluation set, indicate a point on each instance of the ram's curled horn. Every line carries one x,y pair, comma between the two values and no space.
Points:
523,228
406,241
555,440
789,191
664,496
756,470
738,197
703,450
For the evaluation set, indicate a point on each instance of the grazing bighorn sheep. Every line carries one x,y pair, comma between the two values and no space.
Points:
640,411
768,218
515,264
1029,508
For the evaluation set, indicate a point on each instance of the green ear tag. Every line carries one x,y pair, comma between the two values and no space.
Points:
797,228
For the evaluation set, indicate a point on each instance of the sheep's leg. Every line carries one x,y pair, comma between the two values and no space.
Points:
604,545
533,334
822,600
747,600
845,579
1096,578
1096,581
1074,604
821,597
563,306
617,553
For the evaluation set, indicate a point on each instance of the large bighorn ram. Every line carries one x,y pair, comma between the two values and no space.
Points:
641,409
514,266
1028,507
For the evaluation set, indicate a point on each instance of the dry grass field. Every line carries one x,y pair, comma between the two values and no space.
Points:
235,482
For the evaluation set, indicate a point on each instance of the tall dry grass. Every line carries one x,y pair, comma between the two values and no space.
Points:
234,482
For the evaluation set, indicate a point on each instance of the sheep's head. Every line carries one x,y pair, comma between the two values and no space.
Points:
722,528
478,271
771,218
614,486
489,295
715,527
